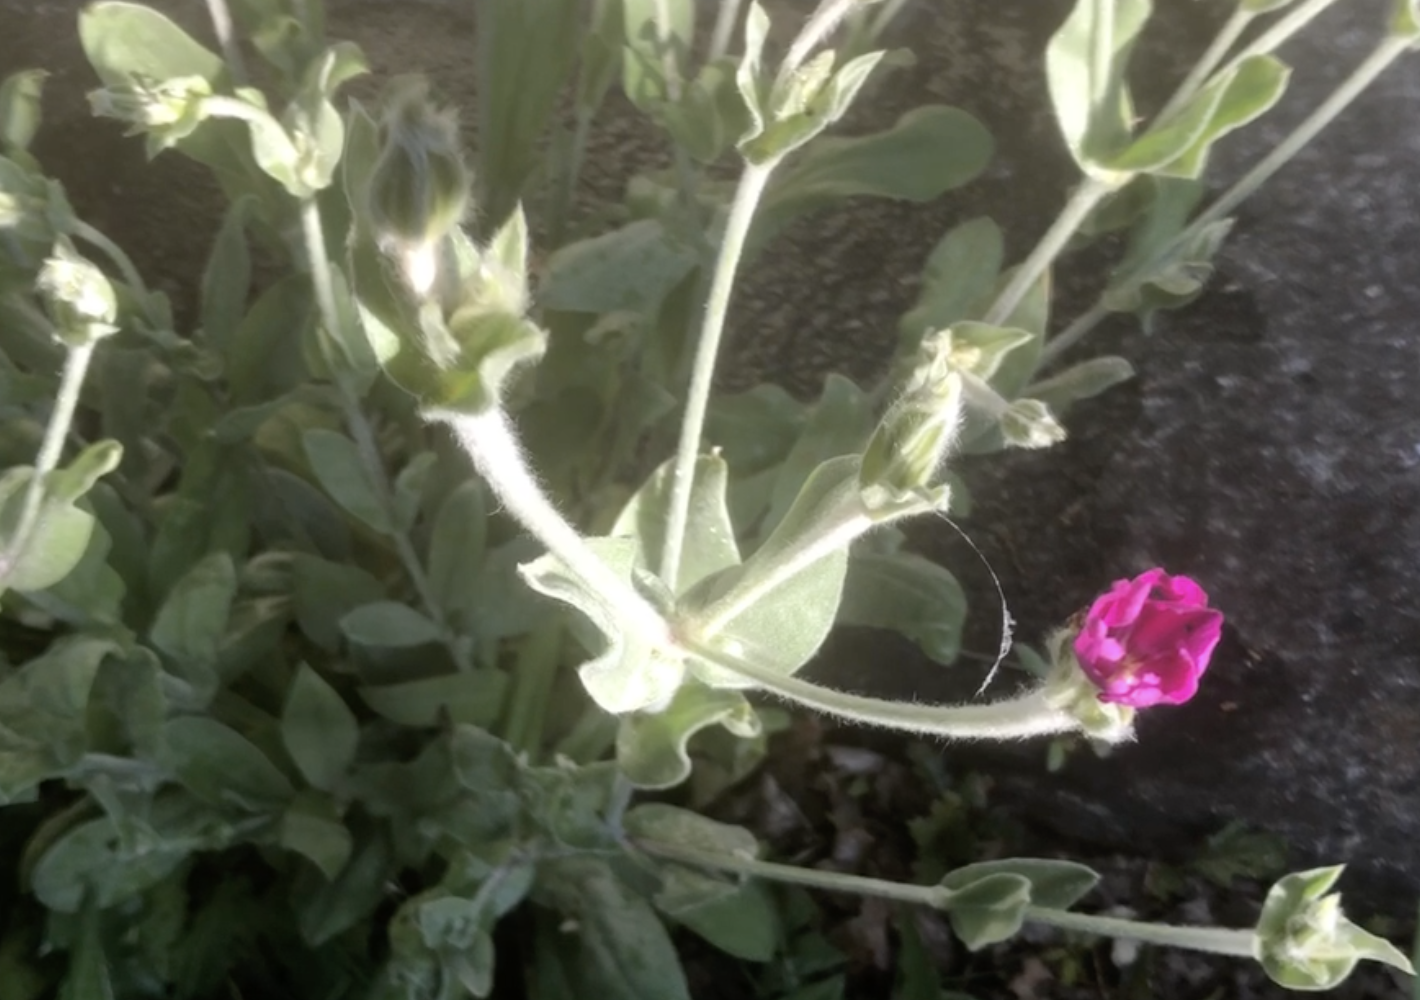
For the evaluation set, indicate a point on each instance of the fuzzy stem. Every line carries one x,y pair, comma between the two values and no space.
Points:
836,532
221,18
1218,940
725,20
1024,716
815,878
821,24
1386,53
717,305
489,440
66,402
1224,40
1071,335
1082,202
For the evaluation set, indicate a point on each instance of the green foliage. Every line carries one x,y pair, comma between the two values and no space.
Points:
286,710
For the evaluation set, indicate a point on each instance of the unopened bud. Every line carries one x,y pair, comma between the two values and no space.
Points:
909,443
168,110
1028,423
419,187
78,297
1305,942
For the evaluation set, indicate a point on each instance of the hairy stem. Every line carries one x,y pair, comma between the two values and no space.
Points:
1024,716
221,17
747,194
489,440
1217,50
1380,59
725,20
1082,202
1218,940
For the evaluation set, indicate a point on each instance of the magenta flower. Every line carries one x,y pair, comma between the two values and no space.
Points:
1148,640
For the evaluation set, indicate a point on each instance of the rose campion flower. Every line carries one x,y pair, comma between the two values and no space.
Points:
1148,640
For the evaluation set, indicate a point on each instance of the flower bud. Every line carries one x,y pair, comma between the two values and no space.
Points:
78,297
419,187
1028,423
168,110
907,447
1305,942
1148,640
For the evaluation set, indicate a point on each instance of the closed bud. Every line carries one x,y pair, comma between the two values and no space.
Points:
78,297
419,187
1304,940
909,443
168,110
1028,423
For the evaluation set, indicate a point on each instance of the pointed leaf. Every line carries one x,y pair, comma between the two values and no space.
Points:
336,462
20,108
709,544
474,698
388,625
222,767
227,278
1055,885
929,151
318,730
1094,115
631,269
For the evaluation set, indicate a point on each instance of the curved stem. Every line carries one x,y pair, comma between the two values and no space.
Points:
489,440
747,195
1008,719
1287,26
51,449
1224,40
1082,202
1218,940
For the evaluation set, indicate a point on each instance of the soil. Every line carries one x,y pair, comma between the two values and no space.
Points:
827,299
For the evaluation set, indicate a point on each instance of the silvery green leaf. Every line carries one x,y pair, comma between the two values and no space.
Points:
20,108
1095,116
655,50
989,909
958,274
626,675
749,77
709,544
388,625
782,628
930,150
651,746
1082,381
127,40
1179,146
908,594
1056,885
336,463
222,767
474,697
